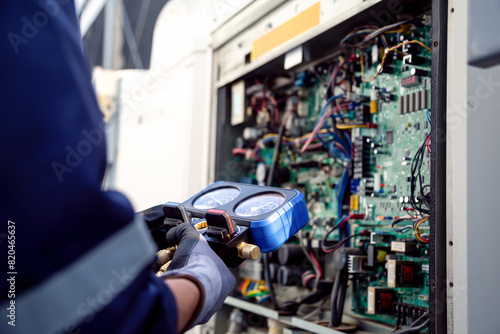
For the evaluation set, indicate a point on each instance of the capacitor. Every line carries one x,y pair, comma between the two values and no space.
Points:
377,182
419,72
374,96
375,54
250,133
261,173
290,254
289,275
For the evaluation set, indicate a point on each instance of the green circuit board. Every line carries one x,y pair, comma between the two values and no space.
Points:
396,124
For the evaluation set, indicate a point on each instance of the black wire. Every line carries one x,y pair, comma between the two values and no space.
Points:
338,244
416,175
337,299
276,156
293,305
380,31
267,278
328,234
414,327
411,330
270,179
397,221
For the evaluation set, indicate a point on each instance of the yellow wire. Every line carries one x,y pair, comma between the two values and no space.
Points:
387,51
421,221
417,234
352,126
245,286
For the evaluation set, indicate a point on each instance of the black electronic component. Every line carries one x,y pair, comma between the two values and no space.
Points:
387,69
388,97
305,164
354,67
371,254
362,114
410,48
361,159
404,312
418,72
381,238
412,59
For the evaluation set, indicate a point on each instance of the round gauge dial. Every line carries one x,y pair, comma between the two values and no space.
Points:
216,198
259,205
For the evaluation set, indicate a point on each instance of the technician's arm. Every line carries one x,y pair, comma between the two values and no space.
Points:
82,256
187,296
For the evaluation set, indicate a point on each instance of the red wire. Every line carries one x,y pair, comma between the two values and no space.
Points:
237,151
316,263
334,75
308,279
314,146
408,212
241,284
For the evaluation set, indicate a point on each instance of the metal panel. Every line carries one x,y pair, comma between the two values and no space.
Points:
484,39
232,57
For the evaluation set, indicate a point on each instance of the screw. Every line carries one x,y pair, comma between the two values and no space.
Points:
452,10
435,43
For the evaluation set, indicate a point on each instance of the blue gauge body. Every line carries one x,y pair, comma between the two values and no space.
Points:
269,230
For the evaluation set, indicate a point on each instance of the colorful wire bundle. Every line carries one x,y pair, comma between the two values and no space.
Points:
254,289
416,222
416,231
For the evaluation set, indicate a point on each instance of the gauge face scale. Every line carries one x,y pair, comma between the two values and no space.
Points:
216,198
259,205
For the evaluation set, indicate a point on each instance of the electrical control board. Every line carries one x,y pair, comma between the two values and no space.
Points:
352,132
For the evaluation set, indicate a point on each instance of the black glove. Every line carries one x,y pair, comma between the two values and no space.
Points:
196,259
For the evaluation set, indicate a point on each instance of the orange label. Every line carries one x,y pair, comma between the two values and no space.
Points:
285,32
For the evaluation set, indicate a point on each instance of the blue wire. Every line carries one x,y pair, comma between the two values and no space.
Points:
330,100
428,115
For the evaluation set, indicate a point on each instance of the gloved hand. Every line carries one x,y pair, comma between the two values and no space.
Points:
194,258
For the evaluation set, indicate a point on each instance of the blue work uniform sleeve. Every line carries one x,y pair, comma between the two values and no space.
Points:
52,164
